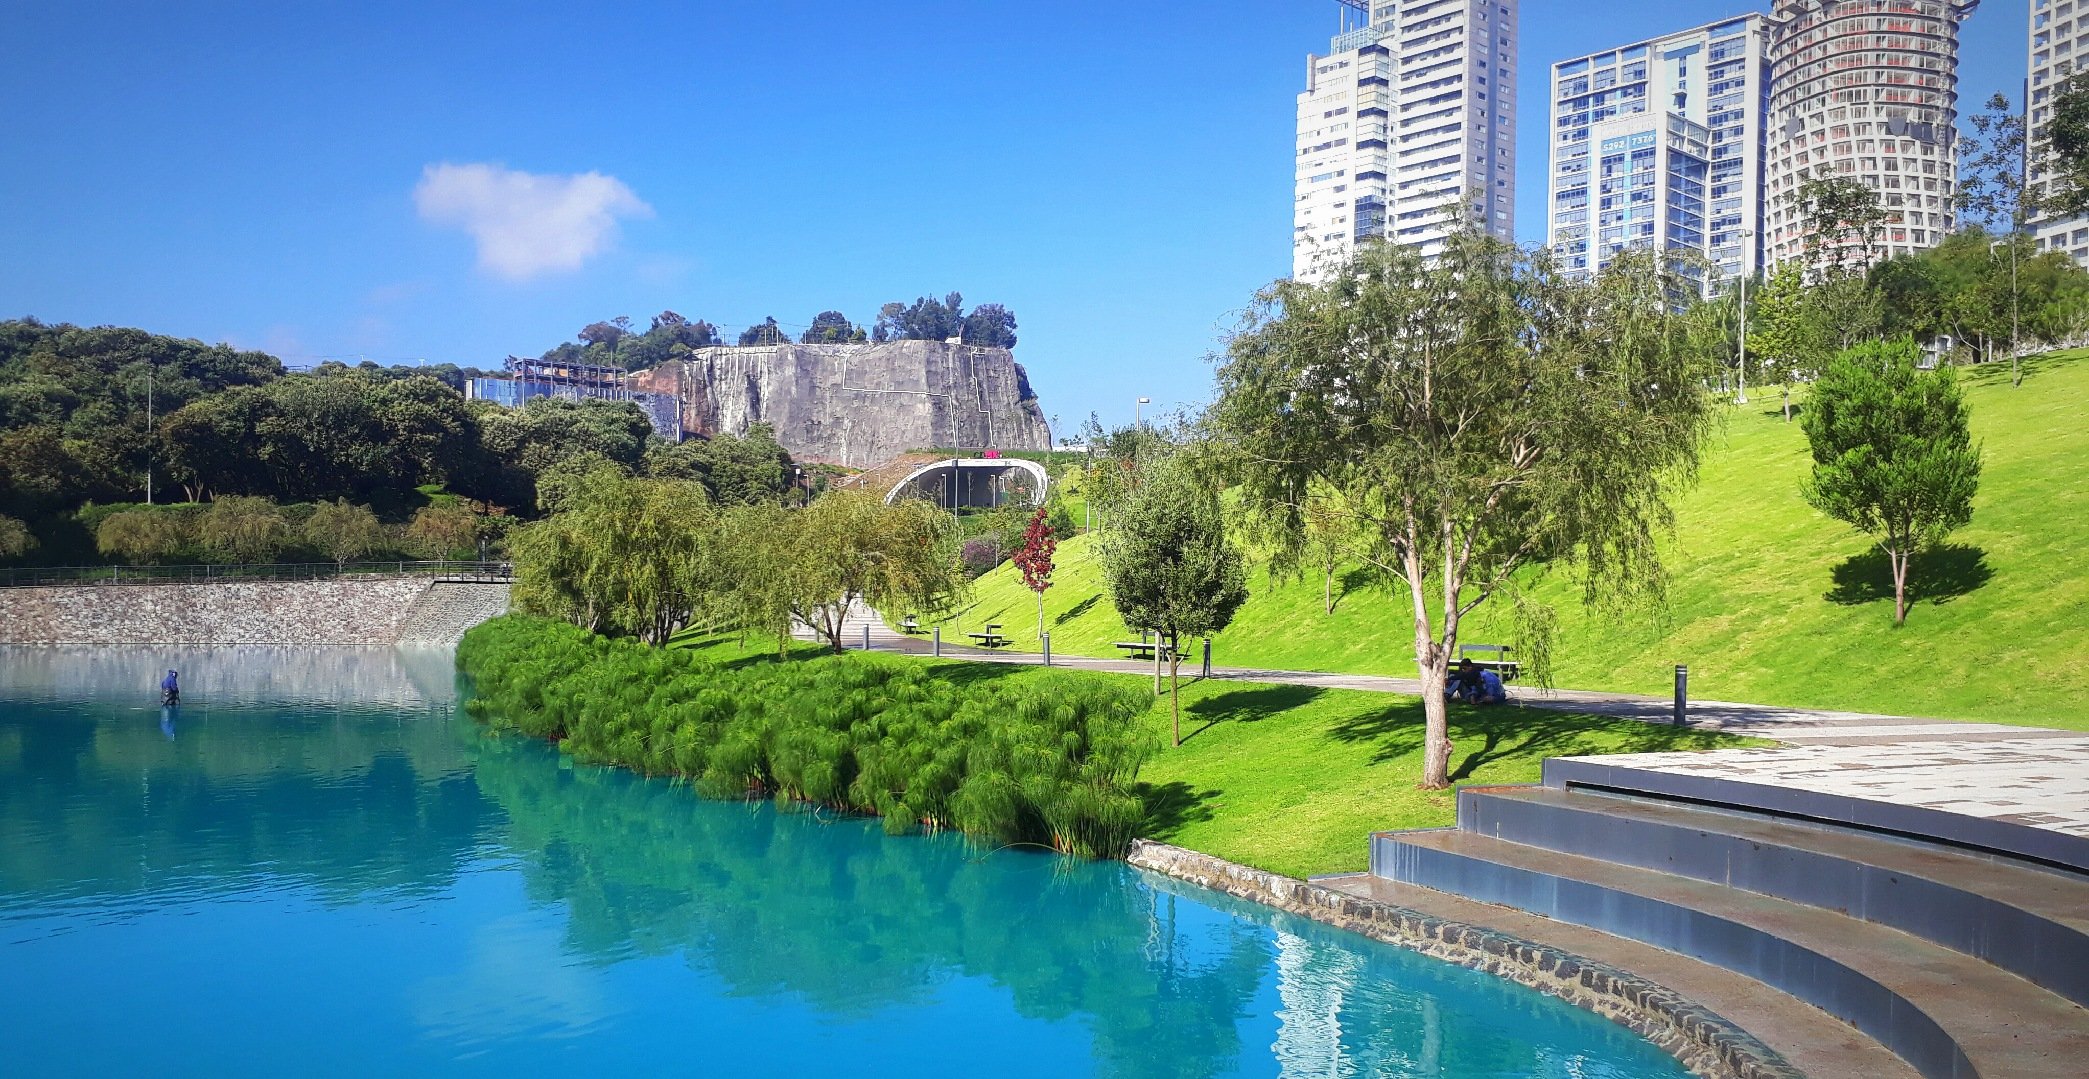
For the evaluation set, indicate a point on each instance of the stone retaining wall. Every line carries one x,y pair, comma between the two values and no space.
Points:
1701,1040
357,611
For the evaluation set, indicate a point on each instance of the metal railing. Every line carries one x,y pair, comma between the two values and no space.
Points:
31,576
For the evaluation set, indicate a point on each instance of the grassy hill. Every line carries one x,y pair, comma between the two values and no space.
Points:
1770,602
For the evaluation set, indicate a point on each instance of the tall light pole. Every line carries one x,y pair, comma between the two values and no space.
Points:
2015,377
148,433
1136,405
1747,269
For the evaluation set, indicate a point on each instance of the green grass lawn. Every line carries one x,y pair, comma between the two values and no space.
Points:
1769,602
1294,779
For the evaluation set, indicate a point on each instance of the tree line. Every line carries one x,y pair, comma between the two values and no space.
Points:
650,556
87,415
244,529
1980,293
618,343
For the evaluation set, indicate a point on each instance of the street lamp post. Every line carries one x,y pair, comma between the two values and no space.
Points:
1741,396
149,444
2015,376
1135,409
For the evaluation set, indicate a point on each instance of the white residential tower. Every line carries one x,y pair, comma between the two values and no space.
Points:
1660,144
2059,49
1407,125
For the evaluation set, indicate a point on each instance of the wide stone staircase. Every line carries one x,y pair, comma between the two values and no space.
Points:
1962,960
448,608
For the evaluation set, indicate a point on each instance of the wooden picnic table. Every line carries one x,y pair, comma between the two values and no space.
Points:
992,638
1143,649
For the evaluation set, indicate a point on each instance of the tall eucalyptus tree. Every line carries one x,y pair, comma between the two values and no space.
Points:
1481,416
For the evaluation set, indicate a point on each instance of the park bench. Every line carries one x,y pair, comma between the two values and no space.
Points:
1500,664
910,624
1143,649
992,638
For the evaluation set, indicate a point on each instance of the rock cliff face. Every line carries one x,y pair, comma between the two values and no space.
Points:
858,405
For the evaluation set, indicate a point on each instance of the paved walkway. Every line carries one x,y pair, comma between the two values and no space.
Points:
1791,725
2027,775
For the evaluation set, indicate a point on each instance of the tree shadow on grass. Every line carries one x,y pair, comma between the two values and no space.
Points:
1248,705
1996,372
1077,610
961,670
1357,579
726,651
1173,804
1485,734
1776,411
1939,575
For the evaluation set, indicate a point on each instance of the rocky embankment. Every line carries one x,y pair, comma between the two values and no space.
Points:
358,611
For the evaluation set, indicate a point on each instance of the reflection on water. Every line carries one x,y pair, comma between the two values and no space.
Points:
313,881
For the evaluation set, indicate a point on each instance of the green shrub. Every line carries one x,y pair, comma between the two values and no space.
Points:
1050,761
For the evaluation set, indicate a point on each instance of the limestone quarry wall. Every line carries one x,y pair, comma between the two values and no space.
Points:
337,612
859,405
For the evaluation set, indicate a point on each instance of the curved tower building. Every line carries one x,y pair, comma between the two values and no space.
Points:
1866,89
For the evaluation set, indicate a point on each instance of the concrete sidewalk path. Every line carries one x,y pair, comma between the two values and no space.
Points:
1799,726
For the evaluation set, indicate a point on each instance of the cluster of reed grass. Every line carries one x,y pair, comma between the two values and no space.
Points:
1049,760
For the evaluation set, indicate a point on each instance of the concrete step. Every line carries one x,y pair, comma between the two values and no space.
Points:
2027,919
1949,1015
1811,1040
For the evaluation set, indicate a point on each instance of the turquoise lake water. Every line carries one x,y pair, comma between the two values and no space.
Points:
317,866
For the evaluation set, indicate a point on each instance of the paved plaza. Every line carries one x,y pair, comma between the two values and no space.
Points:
2040,782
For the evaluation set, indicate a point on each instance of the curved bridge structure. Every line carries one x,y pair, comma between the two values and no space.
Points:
974,482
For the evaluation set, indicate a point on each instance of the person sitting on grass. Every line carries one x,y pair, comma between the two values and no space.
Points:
1464,683
1491,690
1472,684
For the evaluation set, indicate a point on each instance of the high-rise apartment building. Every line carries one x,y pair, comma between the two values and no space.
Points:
1660,144
2059,49
1407,125
1866,89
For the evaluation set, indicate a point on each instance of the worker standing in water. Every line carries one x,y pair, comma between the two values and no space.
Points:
170,688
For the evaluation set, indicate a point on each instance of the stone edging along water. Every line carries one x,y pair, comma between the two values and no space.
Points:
1702,1041
355,610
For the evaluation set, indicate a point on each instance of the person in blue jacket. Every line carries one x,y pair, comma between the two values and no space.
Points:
1491,689
170,688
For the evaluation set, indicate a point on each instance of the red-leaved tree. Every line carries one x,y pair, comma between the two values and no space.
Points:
1034,559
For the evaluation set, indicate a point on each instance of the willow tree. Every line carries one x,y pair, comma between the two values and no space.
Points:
15,538
849,548
344,530
1482,417
620,556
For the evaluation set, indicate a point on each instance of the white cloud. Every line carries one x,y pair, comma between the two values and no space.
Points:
526,223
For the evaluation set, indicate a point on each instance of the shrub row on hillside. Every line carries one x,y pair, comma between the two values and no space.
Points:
1050,760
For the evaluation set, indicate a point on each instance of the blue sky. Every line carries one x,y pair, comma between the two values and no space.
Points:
347,180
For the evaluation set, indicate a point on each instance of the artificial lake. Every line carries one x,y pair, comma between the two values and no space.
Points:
318,865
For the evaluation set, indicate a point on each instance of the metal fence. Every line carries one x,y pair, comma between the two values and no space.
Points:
29,576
